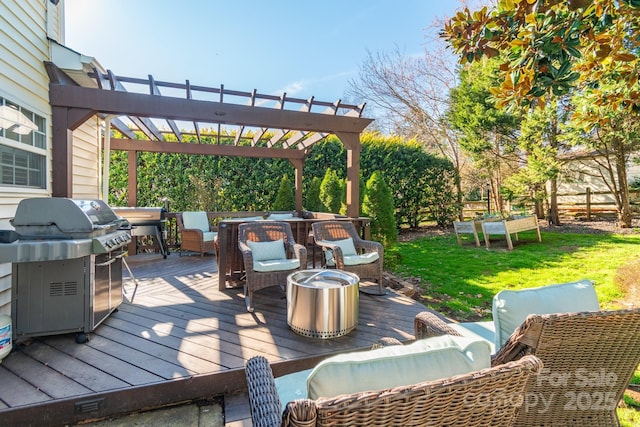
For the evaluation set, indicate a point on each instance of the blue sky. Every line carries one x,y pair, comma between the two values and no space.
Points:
303,48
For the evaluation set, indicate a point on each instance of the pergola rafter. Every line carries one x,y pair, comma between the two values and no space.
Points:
280,126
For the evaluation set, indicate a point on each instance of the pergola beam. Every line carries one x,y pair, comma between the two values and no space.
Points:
134,104
206,149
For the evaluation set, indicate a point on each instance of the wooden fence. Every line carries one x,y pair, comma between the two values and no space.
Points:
587,205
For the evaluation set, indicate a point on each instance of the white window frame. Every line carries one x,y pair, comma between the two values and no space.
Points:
26,146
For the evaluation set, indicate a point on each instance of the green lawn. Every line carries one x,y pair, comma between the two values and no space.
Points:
461,281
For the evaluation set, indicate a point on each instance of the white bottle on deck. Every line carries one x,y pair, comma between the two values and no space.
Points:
5,336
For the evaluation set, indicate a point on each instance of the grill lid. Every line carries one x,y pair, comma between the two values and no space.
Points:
141,215
57,217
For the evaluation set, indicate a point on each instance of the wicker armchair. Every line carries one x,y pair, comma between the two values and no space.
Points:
589,359
277,270
196,233
483,398
327,235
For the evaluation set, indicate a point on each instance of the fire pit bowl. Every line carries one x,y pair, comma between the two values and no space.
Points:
322,303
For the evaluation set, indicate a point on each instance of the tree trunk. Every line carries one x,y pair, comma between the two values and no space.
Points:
553,215
622,198
459,195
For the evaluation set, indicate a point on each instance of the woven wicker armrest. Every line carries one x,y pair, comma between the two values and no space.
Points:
385,342
191,238
369,246
337,252
520,343
300,252
427,324
247,255
300,413
263,395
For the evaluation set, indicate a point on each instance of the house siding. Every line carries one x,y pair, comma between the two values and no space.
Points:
583,175
25,26
86,157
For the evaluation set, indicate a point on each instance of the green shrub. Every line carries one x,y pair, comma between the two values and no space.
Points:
378,205
331,191
286,197
312,196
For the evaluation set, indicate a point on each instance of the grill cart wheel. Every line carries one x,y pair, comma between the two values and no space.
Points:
82,338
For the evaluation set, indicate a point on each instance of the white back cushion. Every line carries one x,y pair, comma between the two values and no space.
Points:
511,308
267,251
195,220
424,360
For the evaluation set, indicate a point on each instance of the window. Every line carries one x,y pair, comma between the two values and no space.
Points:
23,143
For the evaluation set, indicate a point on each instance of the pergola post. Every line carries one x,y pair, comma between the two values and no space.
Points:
132,171
63,122
298,164
62,152
351,142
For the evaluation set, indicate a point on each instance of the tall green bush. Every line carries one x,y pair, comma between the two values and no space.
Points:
378,205
286,197
331,191
312,196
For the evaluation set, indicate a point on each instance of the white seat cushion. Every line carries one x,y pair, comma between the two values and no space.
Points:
511,308
276,265
195,220
424,360
209,236
367,258
267,251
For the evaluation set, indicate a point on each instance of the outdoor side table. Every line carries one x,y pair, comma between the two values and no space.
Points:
322,303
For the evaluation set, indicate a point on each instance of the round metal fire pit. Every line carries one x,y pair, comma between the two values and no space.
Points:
322,303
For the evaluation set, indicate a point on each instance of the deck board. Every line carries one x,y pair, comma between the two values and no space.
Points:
76,362
176,334
57,386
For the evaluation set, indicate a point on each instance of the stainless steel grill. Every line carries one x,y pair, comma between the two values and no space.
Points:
146,222
67,266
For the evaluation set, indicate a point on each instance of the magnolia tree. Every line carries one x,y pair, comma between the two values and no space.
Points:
577,48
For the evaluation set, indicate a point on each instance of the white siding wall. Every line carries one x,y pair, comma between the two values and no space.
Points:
582,175
23,79
86,156
55,21
5,288
24,28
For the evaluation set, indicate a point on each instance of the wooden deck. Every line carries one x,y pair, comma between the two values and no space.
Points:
176,338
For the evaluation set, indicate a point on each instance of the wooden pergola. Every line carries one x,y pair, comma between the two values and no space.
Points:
266,126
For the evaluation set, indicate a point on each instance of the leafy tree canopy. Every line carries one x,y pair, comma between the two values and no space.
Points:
554,46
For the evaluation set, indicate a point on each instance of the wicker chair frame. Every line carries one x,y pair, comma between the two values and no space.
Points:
589,359
191,239
484,398
267,231
326,231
